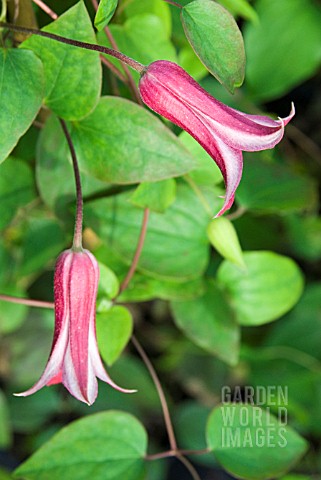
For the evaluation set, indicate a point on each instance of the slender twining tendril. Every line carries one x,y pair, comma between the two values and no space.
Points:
76,43
77,241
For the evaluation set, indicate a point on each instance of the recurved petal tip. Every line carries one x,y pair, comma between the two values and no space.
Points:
287,119
227,205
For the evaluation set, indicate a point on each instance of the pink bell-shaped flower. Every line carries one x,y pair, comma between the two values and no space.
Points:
74,359
222,131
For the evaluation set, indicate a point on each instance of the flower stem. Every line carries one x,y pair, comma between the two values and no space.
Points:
130,79
26,301
137,254
160,391
113,68
77,241
189,466
173,453
171,2
46,9
76,43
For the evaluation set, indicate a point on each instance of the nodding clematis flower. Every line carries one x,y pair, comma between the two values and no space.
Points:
74,359
222,131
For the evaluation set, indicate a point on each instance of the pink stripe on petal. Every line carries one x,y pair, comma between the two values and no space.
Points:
71,380
241,139
164,75
228,159
260,119
233,161
221,130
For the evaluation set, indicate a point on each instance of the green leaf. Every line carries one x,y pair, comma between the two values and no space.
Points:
5,262
12,315
273,188
53,162
252,444
5,429
130,371
157,196
143,288
36,412
269,287
72,74
301,328
304,235
106,445
142,37
208,322
121,142
175,247
241,8
216,40
29,347
108,282
105,12
154,7
223,237
114,329
191,435
5,475
292,370
191,63
283,49
26,147
43,241
206,171
21,94
16,189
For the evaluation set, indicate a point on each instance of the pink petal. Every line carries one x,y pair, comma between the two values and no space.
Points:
97,364
228,159
163,80
222,131
74,359
54,364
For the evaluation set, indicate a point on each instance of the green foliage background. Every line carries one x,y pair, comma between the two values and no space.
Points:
236,302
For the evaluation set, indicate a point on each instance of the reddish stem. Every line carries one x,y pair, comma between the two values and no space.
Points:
189,466
128,74
46,9
76,43
167,417
26,301
137,254
171,2
160,391
173,453
77,242
114,69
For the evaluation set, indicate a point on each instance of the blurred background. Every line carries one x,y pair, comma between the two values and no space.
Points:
277,210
